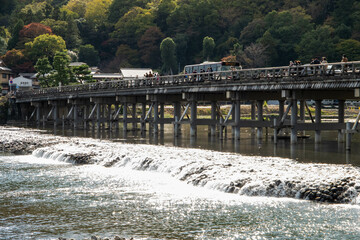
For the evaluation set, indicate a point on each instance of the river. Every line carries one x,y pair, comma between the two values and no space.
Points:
159,188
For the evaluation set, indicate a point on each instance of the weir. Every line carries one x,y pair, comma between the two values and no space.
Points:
139,104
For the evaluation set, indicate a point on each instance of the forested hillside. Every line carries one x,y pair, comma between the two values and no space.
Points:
128,33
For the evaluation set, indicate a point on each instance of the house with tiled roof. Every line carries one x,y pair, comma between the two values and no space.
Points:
5,75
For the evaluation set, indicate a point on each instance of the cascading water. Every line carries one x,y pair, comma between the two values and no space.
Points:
156,192
231,173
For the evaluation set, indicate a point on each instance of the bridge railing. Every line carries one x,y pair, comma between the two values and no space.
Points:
252,75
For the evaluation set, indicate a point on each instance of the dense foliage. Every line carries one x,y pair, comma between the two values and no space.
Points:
128,33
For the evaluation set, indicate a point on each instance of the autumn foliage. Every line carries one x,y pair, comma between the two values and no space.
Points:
33,30
29,32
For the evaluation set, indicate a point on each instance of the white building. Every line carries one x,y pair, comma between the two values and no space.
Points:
129,73
21,83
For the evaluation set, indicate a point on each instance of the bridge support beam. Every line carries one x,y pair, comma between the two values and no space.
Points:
294,108
341,119
302,114
193,118
156,117
260,109
318,120
237,112
125,115
177,115
162,114
253,114
134,124
213,118
143,115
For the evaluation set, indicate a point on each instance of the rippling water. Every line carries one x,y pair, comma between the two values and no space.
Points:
44,197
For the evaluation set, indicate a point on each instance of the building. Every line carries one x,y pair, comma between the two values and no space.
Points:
33,77
107,76
21,83
134,73
5,75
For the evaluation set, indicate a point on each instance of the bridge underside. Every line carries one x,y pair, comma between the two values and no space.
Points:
145,110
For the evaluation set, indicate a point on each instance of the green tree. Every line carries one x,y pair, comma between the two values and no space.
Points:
96,11
118,8
168,55
77,6
82,74
208,48
58,27
165,8
283,31
43,68
317,43
15,34
349,47
88,54
61,67
72,36
132,25
45,45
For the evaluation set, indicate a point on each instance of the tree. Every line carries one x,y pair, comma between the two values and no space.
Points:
45,45
254,56
283,31
31,31
96,11
349,47
15,34
132,26
77,6
82,74
168,55
71,35
43,68
208,48
61,67
58,27
118,8
13,57
317,43
166,7
16,60
149,47
88,54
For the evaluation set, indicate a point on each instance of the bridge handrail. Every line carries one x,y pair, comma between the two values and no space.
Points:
269,73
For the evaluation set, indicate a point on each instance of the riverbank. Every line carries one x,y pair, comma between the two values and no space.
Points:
226,172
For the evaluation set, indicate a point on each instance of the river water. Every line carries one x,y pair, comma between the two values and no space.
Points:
44,196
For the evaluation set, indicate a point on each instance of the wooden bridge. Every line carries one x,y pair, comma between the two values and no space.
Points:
142,101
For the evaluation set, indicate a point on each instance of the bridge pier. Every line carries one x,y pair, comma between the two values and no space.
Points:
213,118
317,121
177,115
193,118
260,104
143,115
237,112
253,114
341,119
125,116
294,108
134,124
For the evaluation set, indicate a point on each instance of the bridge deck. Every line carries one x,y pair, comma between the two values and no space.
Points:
320,77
